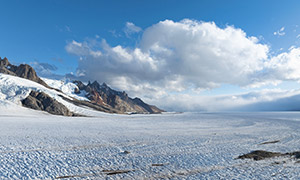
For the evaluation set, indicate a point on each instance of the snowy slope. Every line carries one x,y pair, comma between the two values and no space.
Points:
167,146
13,89
66,87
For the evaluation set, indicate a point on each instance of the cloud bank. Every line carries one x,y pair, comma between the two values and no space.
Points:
264,100
185,56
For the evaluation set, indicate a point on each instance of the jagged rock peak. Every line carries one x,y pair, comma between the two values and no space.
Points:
104,85
124,94
23,71
26,71
95,85
79,84
136,99
4,62
118,100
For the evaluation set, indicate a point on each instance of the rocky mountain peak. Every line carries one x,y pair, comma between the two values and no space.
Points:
101,97
95,85
23,71
4,62
104,85
118,100
26,71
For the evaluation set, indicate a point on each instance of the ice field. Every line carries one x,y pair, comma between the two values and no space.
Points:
167,146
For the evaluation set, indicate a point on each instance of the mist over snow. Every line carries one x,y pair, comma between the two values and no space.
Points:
263,100
173,59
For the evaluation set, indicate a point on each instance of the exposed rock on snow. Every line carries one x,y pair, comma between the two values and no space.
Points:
42,101
260,155
269,142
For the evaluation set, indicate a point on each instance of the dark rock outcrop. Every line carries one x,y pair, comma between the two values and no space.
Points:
42,101
105,96
23,71
4,62
260,155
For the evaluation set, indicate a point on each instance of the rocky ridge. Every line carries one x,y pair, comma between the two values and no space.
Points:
102,97
119,100
23,71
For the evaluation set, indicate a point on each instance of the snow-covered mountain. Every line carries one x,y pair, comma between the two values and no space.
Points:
20,87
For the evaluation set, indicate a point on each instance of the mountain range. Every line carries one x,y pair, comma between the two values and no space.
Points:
56,97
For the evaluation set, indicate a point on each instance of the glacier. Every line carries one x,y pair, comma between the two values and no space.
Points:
164,146
205,145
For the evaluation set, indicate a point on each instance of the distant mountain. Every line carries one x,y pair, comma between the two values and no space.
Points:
53,98
104,95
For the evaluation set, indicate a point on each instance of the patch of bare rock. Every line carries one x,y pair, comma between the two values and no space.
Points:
42,101
260,155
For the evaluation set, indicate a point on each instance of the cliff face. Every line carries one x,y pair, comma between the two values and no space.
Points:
23,71
104,95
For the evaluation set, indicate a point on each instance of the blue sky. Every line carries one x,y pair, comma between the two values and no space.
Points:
45,33
39,30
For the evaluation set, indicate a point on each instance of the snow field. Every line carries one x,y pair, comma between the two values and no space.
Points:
166,146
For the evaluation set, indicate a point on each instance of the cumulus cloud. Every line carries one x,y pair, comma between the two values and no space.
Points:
83,49
173,58
280,32
205,54
284,66
177,55
131,28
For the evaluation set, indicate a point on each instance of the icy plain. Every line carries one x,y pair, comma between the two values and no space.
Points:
167,146
37,145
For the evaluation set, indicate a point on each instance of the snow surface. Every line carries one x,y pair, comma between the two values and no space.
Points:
66,87
37,145
187,145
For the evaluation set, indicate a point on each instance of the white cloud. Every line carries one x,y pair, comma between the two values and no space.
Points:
284,66
268,99
183,56
177,55
82,49
280,32
131,28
